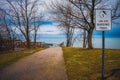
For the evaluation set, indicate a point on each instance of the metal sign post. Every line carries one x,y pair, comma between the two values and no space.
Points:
103,23
103,50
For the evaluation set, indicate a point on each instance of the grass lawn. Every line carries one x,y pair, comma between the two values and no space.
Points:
9,57
84,64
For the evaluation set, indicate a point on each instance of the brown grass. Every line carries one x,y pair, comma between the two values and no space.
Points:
83,64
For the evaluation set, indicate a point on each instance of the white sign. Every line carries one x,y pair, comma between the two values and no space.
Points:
103,20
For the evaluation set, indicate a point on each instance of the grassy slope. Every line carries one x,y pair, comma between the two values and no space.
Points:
8,58
83,64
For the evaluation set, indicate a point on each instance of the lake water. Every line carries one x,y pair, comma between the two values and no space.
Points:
111,43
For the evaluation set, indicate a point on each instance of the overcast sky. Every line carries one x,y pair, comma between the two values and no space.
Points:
52,29
48,28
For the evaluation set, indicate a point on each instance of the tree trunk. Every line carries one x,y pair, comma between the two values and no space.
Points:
28,41
27,26
84,39
27,37
67,42
89,38
35,39
68,39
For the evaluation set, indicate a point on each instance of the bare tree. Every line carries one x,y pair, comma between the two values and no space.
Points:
6,32
87,9
87,6
62,15
5,25
82,15
36,25
21,13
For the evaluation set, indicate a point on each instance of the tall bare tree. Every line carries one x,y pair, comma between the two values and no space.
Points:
36,25
87,10
62,15
21,12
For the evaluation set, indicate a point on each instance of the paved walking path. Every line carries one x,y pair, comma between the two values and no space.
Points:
45,65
